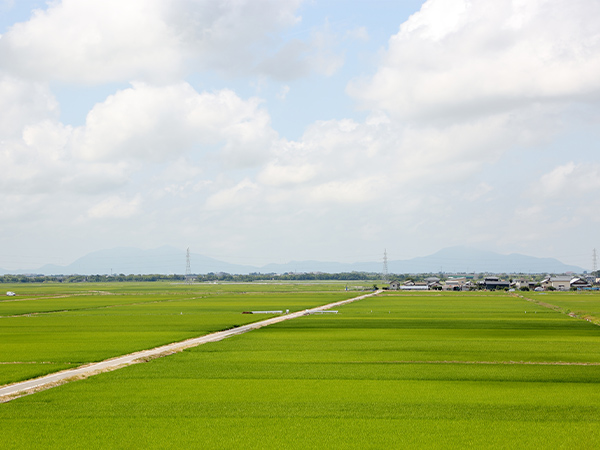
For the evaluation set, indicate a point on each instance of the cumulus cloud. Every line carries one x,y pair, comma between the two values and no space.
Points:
99,41
91,42
461,86
23,103
463,59
154,124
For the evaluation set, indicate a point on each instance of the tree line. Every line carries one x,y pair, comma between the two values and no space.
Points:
227,277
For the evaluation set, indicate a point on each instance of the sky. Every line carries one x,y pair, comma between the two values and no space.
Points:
265,131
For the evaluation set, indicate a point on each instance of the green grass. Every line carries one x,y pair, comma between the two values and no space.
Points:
345,381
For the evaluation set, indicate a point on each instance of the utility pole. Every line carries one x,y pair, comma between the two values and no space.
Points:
384,275
188,268
594,261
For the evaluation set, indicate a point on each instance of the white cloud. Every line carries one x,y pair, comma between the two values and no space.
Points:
464,84
243,195
465,91
93,41
231,36
570,181
154,124
100,41
23,103
457,59
357,190
52,136
35,152
116,207
280,175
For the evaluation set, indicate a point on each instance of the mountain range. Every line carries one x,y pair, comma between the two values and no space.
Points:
170,260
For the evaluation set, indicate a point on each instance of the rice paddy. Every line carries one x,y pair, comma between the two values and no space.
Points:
44,330
424,370
584,304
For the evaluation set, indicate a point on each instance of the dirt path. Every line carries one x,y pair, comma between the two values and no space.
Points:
22,388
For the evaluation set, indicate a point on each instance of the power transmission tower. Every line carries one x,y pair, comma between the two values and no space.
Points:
384,275
188,267
594,261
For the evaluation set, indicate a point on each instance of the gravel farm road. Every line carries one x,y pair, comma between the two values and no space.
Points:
22,388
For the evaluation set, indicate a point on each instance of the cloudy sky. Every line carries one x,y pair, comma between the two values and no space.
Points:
258,131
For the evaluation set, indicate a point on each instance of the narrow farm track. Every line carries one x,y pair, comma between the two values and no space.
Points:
27,387
588,318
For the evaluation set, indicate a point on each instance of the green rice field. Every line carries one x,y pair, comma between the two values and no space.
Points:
401,370
585,304
48,328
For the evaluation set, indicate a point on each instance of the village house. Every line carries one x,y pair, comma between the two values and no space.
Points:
394,285
494,283
560,282
523,283
580,283
454,284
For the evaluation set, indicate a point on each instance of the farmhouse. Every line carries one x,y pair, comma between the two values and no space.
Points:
394,285
561,282
436,286
454,284
520,283
493,283
579,283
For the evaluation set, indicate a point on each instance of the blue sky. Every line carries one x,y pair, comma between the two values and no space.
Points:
259,131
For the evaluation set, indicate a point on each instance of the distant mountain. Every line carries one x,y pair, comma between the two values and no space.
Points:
170,260
448,260
129,260
470,260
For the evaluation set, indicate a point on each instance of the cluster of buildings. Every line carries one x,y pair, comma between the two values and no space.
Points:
490,283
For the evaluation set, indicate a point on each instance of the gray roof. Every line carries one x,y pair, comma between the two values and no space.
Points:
562,278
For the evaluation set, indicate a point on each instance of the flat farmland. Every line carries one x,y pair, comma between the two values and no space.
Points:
399,370
585,304
48,328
